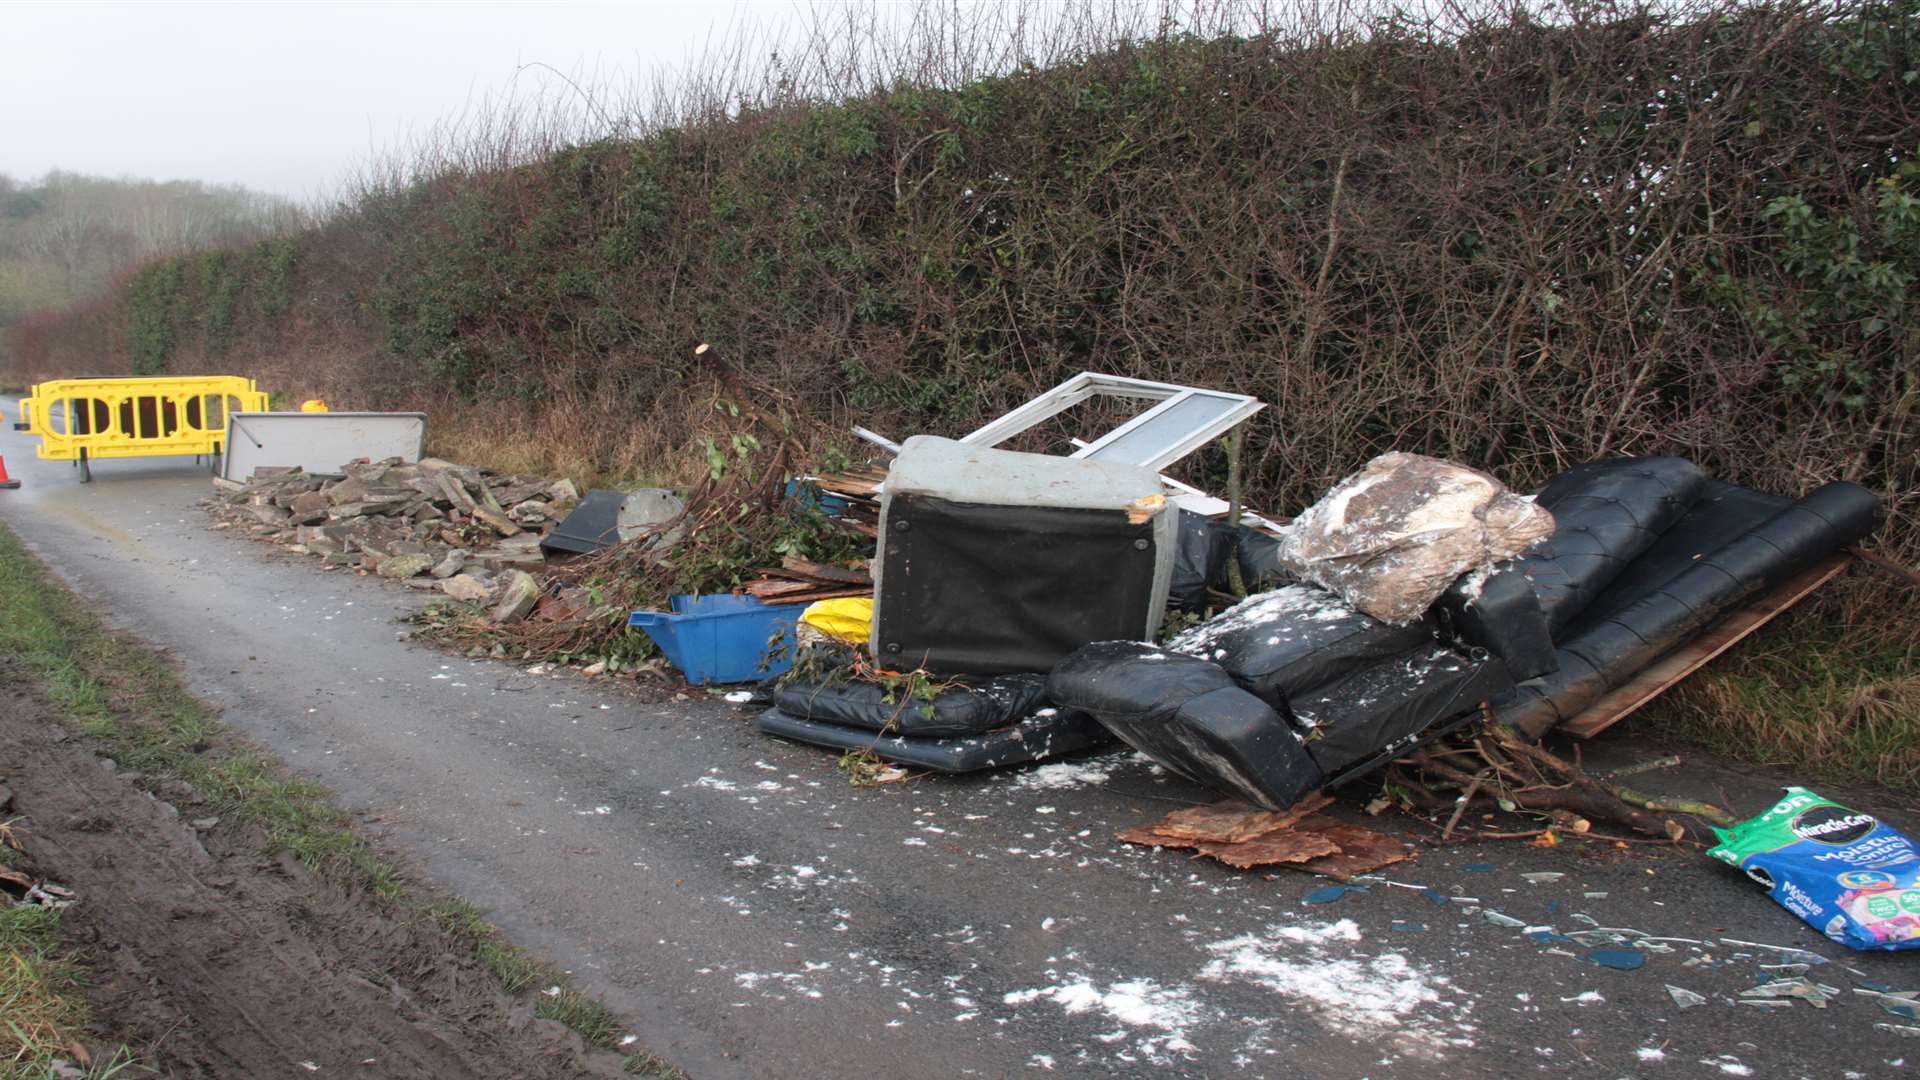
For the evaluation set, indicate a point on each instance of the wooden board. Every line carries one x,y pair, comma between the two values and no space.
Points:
1684,661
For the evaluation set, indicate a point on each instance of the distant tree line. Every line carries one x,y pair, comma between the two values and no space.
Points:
65,237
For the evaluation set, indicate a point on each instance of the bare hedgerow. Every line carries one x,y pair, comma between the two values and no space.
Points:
1519,236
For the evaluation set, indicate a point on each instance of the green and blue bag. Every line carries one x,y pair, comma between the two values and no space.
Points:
1848,874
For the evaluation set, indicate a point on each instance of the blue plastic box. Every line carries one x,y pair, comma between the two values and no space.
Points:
722,638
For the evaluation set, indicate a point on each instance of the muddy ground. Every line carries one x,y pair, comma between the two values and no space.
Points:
210,959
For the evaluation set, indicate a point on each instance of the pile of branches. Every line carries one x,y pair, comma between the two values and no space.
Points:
1490,766
737,518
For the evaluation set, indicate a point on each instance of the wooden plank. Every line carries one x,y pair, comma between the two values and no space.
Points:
1620,703
822,571
819,594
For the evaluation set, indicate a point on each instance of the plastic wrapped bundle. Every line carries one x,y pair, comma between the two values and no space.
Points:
959,711
1392,537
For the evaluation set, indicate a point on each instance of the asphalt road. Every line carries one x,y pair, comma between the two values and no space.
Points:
754,915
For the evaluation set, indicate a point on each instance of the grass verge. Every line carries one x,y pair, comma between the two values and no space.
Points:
44,1018
1823,690
130,702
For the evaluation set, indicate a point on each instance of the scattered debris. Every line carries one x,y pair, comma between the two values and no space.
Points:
1331,893
1253,837
1619,959
1800,989
1684,998
1902,1030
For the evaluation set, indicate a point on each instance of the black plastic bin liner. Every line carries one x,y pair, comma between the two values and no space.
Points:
968,710
1606,513
1046,734
1260,561
1199,560
1357,718
1279,643
1498,611
1188,715
1609,651
1200,564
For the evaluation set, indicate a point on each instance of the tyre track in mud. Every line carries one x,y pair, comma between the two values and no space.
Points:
211,959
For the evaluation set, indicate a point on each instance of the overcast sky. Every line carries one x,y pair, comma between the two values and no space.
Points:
286,97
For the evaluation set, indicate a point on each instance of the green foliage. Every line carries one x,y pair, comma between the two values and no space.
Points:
732,552
153,308
1521,242
219,284
273,263
1830,298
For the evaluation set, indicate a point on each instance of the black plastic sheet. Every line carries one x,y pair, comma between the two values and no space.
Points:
593,525
961,711
1049,733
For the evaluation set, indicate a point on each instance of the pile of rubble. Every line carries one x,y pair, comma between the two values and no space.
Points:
466,532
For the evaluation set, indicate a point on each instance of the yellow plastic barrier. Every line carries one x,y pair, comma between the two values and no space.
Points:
114,417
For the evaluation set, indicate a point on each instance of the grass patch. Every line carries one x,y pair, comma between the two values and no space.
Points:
41,1004
127,699
1820,690
44,1017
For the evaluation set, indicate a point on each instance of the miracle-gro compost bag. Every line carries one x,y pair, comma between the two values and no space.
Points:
1848,874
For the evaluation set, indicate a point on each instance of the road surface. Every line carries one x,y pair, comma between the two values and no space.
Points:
753,915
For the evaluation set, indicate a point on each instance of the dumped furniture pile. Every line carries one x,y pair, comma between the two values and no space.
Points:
964,607
1021,604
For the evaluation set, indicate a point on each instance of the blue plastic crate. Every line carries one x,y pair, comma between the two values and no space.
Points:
722,638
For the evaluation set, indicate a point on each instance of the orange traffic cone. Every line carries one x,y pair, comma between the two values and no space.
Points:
6,482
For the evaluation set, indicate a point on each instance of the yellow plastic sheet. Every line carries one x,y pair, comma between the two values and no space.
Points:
847,618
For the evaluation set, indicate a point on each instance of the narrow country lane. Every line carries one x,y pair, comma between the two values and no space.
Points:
753,915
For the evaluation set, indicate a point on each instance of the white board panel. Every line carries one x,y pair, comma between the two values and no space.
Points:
318,442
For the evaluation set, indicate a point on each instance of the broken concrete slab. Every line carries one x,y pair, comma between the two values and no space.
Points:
450,564
466,587
519,592
405,566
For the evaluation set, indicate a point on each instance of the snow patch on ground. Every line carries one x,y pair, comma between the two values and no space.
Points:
1165,1013
1350,991
1061,774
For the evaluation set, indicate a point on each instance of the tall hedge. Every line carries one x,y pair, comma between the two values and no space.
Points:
1521,245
